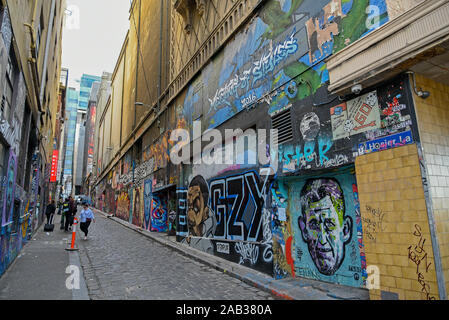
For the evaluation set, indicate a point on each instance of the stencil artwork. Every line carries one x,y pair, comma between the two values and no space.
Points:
310,126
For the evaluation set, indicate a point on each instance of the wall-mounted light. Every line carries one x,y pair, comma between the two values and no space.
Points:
420,93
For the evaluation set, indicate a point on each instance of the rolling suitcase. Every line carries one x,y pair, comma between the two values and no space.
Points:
49,227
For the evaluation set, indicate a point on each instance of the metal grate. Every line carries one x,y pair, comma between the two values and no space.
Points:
282,122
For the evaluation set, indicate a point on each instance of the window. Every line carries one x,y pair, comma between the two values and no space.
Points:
9,86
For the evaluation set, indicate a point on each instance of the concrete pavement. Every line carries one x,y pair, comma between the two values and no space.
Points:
39,272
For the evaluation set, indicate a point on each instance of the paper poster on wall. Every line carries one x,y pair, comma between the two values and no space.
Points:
356,116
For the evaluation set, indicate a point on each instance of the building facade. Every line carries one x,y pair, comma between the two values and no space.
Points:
89,141
30,66
84,94
312,137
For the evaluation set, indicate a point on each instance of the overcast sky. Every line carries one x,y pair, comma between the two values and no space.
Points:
93,36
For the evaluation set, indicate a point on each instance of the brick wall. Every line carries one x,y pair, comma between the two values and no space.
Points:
395,223
433,122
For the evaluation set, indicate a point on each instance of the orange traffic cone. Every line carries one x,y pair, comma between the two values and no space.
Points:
72,244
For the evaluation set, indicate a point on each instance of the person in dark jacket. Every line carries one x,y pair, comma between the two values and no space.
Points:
65,212
71,214
51,209
60,205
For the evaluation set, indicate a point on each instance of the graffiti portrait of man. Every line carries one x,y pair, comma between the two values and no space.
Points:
323,223
201,220
198,210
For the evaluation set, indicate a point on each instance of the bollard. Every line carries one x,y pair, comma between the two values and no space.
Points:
72,245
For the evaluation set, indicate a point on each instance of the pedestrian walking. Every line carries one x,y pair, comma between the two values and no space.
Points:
60,206
86,218
70,215
51,209
65,212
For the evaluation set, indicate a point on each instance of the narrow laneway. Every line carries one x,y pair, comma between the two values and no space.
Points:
120,264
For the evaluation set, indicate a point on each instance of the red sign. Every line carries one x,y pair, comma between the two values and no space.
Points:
54,166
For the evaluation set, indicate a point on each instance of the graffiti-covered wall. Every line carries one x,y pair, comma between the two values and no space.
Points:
279,56
276,65
19,209
228,216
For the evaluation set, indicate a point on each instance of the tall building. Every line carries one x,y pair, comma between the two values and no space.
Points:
86,84
70,134
59,148
103,98
30,67
89,142
77,107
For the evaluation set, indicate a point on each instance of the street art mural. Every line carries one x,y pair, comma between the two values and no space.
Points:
282,232
333,135
279,57
228,217
137,217
123,206
159,213
10,187
147,198
325,224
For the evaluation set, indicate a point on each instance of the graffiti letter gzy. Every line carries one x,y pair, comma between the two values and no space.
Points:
323,223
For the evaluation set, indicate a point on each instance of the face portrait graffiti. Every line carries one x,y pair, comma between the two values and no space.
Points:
323,223
198,211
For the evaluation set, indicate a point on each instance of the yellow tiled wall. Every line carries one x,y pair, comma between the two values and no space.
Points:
433,122
395,223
